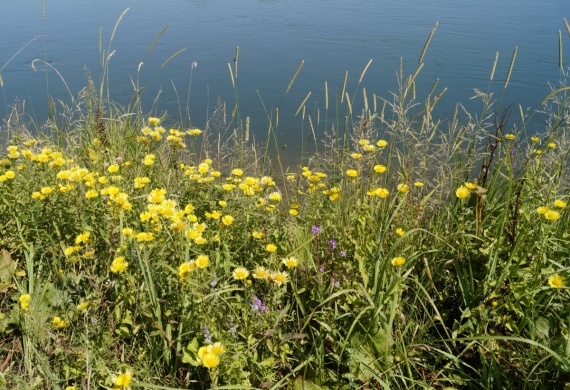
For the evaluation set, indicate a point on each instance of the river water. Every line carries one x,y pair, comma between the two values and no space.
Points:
274,36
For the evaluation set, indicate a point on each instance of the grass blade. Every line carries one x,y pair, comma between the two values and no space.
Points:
303,103
364,71
171,57
294,77
426,45
511,67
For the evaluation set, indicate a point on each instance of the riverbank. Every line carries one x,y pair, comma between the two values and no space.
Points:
401,255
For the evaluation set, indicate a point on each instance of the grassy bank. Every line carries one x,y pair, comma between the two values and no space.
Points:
406,252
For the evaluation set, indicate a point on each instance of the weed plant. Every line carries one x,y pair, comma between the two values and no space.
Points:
404,252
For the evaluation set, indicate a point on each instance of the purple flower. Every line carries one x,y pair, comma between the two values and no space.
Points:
332,243
207,335
257,305
316,229
342,253
322,268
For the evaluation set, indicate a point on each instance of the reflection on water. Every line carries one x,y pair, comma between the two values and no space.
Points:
274,36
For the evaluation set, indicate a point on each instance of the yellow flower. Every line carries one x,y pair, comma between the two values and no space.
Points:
352,173
149,159
542,210
381,192
382,143
280,278
203,168
185,268
119,265
403,188
218,348
154,121
356,156
123,380
470,186
90,194
290,262
552,145
271,248
37,195
260,273
418,184
113,168
227,220
85,305
363,142
144,236
274,196
398,261
194,132
157,195
257,235
10,174
379,168
552,215
202,261
71,250
200,240
534,140
140,182
556,281
560,203
82,238
240,273
25,301
210,360
46,190
203,350
462,192
510,137
237,172
293,212
70,388
58,322
400,232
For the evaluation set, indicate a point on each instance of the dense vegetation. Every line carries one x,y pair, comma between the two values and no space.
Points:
405,252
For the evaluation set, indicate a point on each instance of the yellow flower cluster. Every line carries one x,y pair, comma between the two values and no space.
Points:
465,190
119,265
314,179
261,273
185,269
379,192
25,301
58,322
548,213
8,175
209,355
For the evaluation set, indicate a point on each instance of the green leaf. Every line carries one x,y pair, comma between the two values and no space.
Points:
190,353
304,384
269,362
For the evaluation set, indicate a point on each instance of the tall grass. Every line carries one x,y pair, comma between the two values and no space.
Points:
405,252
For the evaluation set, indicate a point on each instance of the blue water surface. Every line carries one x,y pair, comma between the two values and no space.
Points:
274,36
